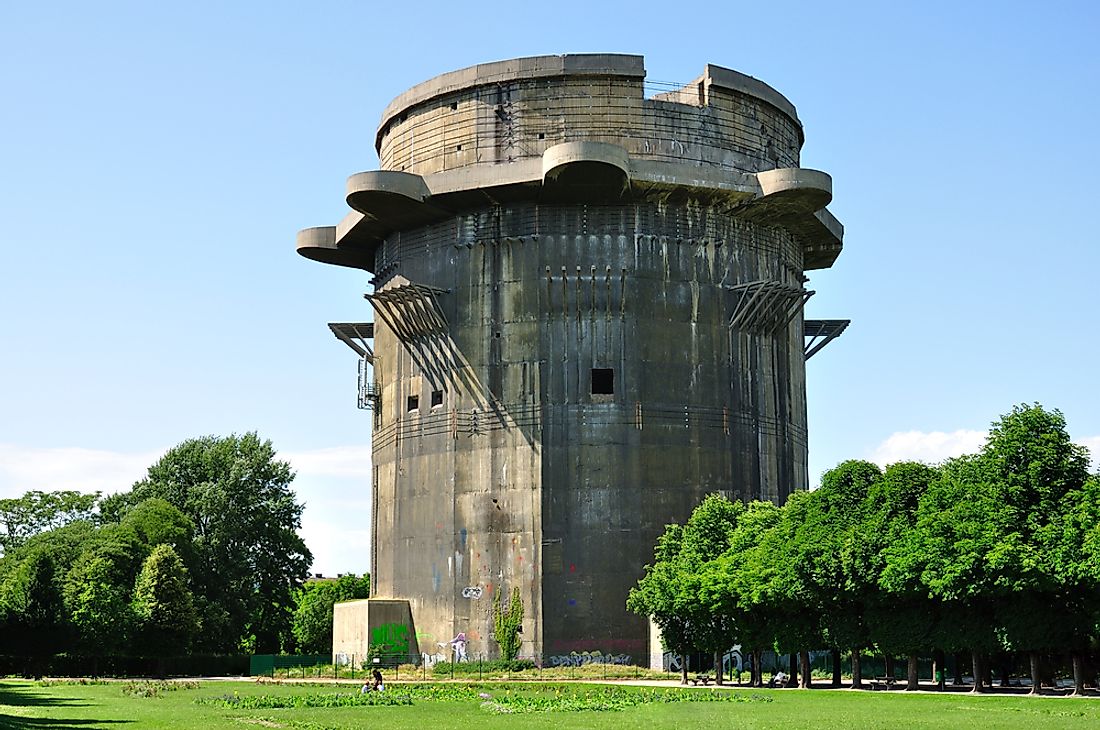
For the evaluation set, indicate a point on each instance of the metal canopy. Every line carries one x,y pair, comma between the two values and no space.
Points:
820,332
357,336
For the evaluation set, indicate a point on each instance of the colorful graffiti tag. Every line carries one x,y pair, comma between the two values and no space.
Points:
390,638
579,659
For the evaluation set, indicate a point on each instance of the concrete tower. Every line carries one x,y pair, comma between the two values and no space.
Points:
588,316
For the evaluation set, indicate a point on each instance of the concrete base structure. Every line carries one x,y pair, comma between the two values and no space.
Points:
386,625
588,315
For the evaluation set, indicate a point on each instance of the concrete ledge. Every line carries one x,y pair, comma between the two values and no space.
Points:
701,180
386,201
319,244
585,166
366,189
812,189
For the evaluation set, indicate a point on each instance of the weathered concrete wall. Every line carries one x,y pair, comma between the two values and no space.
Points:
503,117
540,225
357,625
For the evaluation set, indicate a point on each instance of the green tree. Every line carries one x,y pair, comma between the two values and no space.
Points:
98,604
673,593
778,577
727,583
36,512
163,608
902,618
33,606
248,557
1039,475
507,624
661,592
313,610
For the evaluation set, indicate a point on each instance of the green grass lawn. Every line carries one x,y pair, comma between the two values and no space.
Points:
212,705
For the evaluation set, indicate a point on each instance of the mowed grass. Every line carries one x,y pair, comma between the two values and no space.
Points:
66,706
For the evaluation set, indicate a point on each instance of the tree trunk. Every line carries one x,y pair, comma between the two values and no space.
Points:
939,670
807,677
836,667
979,670
718,667
914,680
792,664
957,680
857,671
888,665
1078,673
757,679
683,669
1036,676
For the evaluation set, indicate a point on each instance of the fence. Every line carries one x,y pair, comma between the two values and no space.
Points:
78,665
401,666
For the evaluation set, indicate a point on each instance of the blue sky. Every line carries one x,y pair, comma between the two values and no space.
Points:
157,159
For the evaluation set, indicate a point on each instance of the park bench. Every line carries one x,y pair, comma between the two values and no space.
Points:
884,683
703,679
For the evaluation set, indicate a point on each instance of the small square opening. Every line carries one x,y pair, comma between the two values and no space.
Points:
458,148
437,398
603,381
454,105
542,135
412,403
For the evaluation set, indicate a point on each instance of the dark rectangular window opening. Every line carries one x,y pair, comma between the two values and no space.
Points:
603,381
437,398
413,403
542,135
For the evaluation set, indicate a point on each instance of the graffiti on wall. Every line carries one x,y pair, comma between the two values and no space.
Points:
390,638
581,658
471,592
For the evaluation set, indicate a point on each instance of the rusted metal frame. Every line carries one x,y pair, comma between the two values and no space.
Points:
386,309
755,317
741,291
797,303
430,293
359,350
826,334
742,307
771,309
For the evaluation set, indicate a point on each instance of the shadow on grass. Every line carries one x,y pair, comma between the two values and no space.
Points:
10,722
30,696
27,695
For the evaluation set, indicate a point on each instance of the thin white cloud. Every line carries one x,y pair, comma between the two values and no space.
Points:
1092,443
334,484
929,447
932,447
24,468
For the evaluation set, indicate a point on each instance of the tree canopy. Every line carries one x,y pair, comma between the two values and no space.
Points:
994,552
313,609
202,554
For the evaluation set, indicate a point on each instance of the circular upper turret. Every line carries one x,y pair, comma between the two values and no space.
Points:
511,110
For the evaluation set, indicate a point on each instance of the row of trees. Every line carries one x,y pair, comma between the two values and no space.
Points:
989,553
201,555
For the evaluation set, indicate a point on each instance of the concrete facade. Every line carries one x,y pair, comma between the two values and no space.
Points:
588,316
